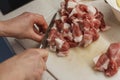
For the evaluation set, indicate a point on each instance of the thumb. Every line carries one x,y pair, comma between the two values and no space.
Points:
43,54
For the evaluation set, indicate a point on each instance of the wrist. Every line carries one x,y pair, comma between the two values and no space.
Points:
2,29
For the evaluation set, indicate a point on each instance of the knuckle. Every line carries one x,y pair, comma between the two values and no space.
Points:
42,16
34,51
39,73
28,14
46,53
30,50
42,52
38,52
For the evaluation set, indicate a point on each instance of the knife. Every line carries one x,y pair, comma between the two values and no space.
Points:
44,43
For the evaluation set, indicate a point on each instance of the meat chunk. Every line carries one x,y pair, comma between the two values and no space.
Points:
77,33
109,62
58,43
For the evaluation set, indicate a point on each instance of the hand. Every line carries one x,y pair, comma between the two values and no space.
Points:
22,26
28,65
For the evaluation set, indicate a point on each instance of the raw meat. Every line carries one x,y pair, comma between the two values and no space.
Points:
79,25
109,62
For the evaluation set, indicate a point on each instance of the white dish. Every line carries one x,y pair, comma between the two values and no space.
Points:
115,8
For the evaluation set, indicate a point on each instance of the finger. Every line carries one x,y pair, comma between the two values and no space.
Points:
43,64
38,77
38,74
40,21
37,37
36,29
43,54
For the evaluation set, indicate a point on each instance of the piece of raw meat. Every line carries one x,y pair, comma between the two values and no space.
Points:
109,62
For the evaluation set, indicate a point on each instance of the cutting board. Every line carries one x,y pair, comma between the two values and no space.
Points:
78,65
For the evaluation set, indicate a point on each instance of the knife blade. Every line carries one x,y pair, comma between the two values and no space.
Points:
44,43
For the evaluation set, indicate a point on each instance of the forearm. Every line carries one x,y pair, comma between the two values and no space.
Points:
7,28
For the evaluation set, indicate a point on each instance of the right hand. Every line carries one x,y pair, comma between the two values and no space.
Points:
28,65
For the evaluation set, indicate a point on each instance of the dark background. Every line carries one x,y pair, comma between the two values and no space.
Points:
9,5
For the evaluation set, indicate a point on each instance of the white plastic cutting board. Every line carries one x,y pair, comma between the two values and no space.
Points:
78,65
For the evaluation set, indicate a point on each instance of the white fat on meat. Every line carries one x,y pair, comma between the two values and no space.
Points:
59,42
78,38
78,1
95,59
54,27
71,4
69,34
76,20
66,25
91,10
74,11
106,28
104,66
62,10
48,39
63,18
62,5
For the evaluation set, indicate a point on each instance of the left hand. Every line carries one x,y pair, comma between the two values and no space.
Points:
22,26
